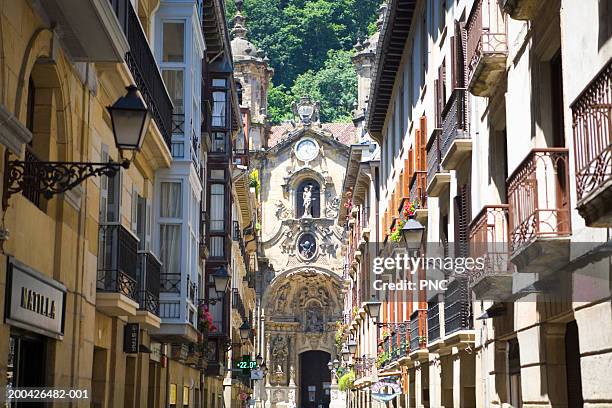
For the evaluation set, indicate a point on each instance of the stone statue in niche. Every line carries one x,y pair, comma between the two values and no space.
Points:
281,300
307,196
279,350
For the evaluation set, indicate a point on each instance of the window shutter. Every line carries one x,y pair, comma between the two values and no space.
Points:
437,111
462,220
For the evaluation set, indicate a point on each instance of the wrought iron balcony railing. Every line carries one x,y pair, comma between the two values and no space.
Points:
418,189
487,47
454,120
149,272
170,282
433,319
418,330
433,156
538,196
592,123
489,240
192,291
117,261
142,64
457,307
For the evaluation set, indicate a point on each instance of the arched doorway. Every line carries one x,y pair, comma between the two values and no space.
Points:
315,379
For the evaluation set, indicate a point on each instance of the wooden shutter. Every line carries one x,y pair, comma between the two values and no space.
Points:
422,148
458,51
462,219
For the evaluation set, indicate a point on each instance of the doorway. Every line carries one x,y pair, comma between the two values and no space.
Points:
315,379
26,365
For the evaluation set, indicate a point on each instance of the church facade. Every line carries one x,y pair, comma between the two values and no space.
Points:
301,279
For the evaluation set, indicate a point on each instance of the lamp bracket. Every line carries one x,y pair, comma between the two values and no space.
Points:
49,178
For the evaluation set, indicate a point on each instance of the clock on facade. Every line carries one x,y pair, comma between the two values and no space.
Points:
306,150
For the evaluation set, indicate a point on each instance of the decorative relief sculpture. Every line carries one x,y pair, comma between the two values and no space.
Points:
282,212
307,246
313,319
279,351
333,207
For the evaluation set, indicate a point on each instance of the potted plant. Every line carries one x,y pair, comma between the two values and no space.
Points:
396,231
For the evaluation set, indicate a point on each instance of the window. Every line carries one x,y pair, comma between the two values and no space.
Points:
218,142
217,207
110,197
173,78
514,372
170,200
173,47
217,174
218,115
308,199
219,82
170,247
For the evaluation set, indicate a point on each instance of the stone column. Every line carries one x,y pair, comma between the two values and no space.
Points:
418,389
543,366
435,380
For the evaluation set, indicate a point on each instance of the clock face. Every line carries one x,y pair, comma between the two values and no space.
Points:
307,150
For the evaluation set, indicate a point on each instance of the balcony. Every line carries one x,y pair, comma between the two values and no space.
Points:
149,270
418,334
539,211
591,113
520,9
489,240
418,194
487,47
455,144
458,313
89,29
433,320
437,179
117,280
142,65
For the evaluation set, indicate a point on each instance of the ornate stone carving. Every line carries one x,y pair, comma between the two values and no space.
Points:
279,351
306,110
314,320
282,212
333,207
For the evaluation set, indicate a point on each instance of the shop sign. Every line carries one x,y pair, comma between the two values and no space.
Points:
35,301
385,390
156,353
131,339
172,396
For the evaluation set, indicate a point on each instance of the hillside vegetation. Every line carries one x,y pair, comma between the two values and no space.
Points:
309,45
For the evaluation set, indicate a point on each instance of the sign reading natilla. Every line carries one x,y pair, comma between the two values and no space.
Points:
35,301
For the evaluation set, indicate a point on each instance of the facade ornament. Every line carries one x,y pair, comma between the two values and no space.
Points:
306,110
282,212
307,196
333,207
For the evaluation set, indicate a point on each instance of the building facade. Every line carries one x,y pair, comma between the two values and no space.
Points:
490,121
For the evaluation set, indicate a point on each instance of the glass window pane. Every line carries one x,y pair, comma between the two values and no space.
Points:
174,42
218,142
217,174
170,247
217,207
173,78
218,116
171,200
218,82
216,247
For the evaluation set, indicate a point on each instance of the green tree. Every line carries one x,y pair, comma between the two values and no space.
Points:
279,104
334,85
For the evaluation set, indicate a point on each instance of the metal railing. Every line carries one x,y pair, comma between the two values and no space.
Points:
178,123
192,291
433,318
457,307
142,64
117,261
454,120
418,333
486,33
149,271
592,123
418,189
433,155
30,179
489,240
538,196
170,283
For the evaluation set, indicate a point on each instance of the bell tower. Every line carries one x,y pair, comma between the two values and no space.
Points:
252,70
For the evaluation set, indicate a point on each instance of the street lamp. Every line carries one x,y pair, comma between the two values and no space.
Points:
221,279
336,364
345,353
330,365
412,234
373,309
245,330
130,120
352,346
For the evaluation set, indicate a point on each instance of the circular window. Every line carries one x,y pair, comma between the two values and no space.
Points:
307,246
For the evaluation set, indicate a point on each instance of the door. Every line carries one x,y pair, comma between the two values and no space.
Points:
314,379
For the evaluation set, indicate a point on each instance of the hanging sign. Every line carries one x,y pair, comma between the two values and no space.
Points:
131,338
385,390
